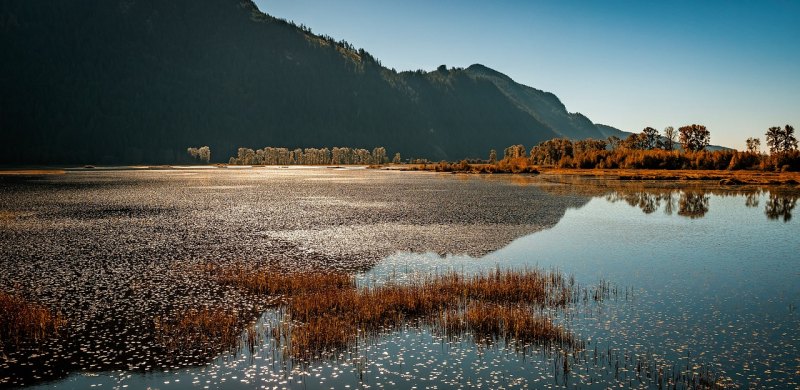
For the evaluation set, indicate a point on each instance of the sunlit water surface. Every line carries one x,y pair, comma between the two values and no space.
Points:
717,292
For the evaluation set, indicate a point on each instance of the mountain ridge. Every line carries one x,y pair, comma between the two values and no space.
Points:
140,81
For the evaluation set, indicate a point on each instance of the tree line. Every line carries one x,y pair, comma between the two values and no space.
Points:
651,150
311,156
684,148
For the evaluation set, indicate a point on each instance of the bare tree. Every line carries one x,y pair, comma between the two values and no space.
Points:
397,159
492,156
670,136
614,142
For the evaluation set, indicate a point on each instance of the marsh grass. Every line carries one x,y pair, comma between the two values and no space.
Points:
198,330
22,321
327,312
280,283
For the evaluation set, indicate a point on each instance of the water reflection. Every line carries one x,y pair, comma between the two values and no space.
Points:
780,206
694,203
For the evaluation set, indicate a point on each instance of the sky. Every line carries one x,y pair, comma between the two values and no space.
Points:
733,66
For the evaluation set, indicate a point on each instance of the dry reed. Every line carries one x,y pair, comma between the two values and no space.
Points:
326,311
198,330
22,321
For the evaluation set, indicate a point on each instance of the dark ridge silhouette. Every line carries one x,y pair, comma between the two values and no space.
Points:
101,82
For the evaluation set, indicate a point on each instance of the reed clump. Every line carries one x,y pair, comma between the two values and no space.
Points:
23,321
489,321
207,329
326,311
276,282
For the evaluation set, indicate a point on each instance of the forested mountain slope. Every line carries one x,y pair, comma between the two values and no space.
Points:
138,81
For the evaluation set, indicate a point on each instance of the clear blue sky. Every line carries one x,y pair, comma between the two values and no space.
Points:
733,66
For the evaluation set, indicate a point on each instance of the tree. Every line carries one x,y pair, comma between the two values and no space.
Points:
514,151
379,155
203,153
753,145
492,156
669,138
635,142
614,142
650,138
396,159
589,145
694,137
781,140
552,151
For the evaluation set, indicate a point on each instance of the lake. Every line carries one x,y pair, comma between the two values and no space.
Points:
700,280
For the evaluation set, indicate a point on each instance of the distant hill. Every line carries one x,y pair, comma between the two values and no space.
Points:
124,81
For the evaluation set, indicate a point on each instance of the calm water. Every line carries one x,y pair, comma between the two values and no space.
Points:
704,278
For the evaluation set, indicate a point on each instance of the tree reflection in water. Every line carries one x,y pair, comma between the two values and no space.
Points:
780,206
694,203
751,199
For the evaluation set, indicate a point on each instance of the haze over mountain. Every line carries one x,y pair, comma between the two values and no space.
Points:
98,81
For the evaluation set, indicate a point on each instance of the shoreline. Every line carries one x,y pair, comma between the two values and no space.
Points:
724,177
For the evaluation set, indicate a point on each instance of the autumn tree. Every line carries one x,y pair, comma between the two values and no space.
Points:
694,137
552,151
635,142
670,136
753,145
650,138
396,159
589,145
781,140
202,153
492,156
379,155
514,151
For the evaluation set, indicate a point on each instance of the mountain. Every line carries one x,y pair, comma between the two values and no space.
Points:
139,81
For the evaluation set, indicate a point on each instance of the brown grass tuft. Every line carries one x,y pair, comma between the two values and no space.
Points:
489,321
198,330
276,282
22,321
